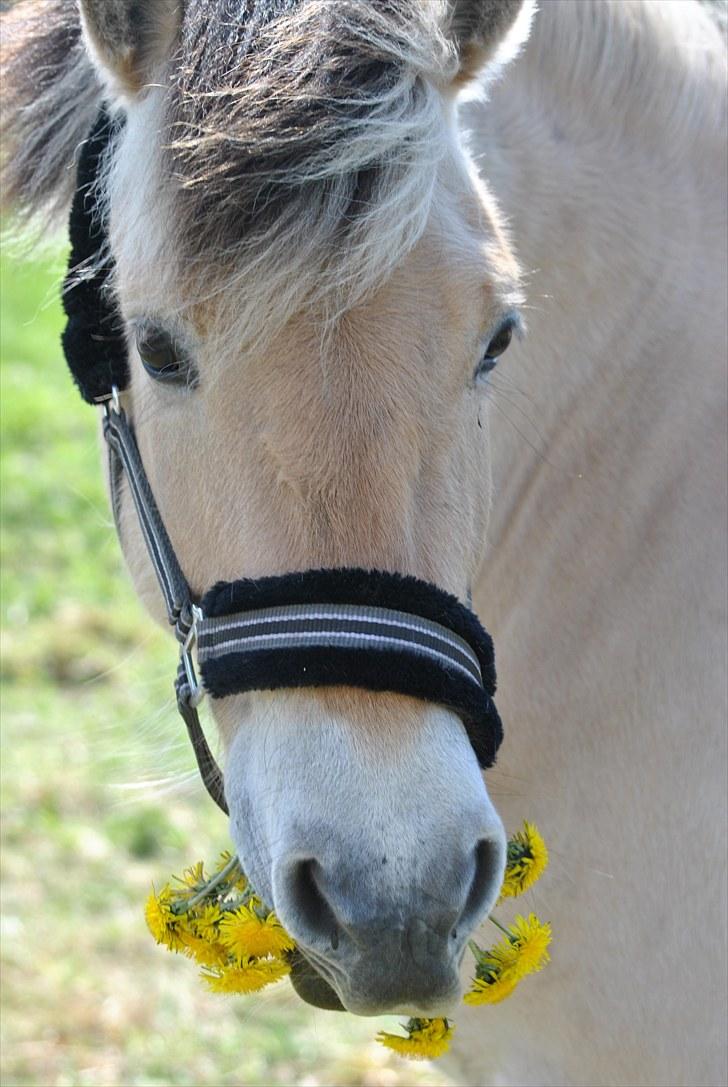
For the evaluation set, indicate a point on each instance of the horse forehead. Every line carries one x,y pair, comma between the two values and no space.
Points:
428,313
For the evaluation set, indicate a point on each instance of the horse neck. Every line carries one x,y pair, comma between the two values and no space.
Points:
605,146
604,580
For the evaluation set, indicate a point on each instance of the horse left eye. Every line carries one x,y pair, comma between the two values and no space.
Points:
500,342
495,349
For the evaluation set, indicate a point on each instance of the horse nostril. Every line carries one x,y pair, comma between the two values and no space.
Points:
489,861
313,912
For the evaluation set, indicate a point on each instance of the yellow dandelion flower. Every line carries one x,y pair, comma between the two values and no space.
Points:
248,976
490,990
501,959
527,858
194,876
205,919
426,1039
531,938
162,922
499,969
246,934
205,952
496,973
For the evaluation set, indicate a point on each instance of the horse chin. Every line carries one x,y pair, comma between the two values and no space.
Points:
312,988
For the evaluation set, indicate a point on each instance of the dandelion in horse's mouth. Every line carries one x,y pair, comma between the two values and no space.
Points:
499,969
248,976
207,921
220,923
426,1039
527,858
204,951
161,920
251,930
242,946
531,938
490,989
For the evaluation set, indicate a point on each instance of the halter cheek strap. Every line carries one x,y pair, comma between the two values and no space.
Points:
181,612
341,627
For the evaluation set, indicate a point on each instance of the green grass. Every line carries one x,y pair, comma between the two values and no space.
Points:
87,719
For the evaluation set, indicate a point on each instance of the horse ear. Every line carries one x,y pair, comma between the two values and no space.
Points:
484,31
129,39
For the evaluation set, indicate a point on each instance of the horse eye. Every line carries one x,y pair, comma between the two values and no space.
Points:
495,349
160,355
500,342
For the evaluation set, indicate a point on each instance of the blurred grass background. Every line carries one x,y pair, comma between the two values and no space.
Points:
99,790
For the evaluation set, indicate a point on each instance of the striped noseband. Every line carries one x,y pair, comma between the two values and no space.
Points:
372,629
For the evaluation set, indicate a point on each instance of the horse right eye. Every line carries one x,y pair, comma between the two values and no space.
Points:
160,355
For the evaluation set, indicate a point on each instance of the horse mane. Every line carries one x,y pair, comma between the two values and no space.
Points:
296,141
256,110
50,96
660,65
301,144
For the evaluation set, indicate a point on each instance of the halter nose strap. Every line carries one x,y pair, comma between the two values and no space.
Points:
373,629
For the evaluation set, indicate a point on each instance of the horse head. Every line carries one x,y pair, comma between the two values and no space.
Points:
314,286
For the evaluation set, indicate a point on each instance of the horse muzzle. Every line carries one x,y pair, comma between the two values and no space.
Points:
355,957
367,826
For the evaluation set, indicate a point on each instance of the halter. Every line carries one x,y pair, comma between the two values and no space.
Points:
336,627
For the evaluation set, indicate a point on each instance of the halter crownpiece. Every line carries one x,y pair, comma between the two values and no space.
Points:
337,627
93,339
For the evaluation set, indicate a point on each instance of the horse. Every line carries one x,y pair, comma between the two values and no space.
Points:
328,222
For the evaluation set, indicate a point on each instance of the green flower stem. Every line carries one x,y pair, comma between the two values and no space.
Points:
476,952
216,880
500,926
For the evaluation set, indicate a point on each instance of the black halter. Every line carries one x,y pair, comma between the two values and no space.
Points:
363,628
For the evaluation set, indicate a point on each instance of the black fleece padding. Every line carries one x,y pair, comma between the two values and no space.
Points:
376,669
93,340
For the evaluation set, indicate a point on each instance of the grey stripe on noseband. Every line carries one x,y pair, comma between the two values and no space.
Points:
344,625
356,619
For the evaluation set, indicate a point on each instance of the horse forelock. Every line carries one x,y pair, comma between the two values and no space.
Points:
300,142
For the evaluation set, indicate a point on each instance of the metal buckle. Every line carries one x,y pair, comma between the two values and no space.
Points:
197,691
110,400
